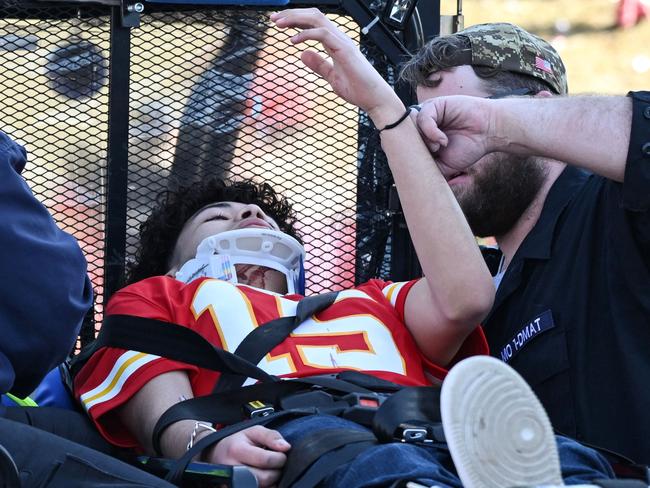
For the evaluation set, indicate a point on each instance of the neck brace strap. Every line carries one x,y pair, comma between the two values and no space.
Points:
217,255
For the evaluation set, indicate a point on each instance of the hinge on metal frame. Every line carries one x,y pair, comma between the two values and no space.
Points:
376,30
131,13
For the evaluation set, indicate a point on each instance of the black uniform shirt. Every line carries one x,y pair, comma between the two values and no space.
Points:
572,313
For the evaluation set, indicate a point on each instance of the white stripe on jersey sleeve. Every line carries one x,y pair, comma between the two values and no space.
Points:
127,364
391,292
345,294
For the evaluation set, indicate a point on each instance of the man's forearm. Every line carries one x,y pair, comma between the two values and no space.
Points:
592,132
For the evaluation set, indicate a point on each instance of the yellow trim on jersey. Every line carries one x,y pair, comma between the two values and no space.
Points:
391,292
127,364
301,348
213,313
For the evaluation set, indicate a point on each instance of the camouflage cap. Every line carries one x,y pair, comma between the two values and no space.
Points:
510,48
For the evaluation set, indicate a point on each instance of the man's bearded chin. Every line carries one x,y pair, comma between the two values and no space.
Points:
502,188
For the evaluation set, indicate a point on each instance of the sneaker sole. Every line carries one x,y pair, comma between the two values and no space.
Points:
497,431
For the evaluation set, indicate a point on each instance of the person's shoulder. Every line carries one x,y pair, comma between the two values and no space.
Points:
7,142
154,288
643,96
381,284
374,283
387,289
153,282
12,153
157,295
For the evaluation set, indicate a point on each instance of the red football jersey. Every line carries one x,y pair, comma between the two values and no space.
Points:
362,330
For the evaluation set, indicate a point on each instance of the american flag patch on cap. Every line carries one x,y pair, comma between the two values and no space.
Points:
542,64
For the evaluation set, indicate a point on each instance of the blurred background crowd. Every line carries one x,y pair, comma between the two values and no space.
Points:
604,43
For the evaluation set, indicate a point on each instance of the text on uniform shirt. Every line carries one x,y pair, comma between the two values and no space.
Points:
528,332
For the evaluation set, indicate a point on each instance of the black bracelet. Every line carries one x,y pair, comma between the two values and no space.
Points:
399,121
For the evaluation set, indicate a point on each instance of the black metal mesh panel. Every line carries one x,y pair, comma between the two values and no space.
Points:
211,93
225,93
374,218
53,100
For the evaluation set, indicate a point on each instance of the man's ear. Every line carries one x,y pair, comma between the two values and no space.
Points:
544,94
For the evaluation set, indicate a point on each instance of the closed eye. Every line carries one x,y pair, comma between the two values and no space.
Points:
433,80
216,217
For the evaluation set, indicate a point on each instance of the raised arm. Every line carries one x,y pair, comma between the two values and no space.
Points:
45,288
457,291
592,132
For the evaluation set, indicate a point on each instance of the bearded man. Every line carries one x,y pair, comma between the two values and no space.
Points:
572,309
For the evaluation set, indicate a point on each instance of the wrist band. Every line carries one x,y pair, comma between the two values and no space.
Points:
398,122
198,428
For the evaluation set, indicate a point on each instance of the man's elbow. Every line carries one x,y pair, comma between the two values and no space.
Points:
470,305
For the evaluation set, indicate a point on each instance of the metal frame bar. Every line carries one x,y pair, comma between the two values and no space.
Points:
118,154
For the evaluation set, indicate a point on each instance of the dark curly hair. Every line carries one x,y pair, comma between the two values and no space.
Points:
159,233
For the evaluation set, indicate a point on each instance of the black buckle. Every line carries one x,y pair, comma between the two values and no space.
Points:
419,433
257,409
370,401
363,407
412,433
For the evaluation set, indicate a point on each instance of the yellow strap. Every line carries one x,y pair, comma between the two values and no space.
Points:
24,402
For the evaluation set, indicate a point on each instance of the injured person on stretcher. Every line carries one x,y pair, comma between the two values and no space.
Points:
222,263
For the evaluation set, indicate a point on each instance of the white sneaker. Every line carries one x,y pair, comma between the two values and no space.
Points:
497,431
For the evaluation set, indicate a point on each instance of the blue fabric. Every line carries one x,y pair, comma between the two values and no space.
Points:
52,392
5,401
44,286
386,463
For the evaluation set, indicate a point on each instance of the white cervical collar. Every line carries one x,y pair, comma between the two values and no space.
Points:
217,255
